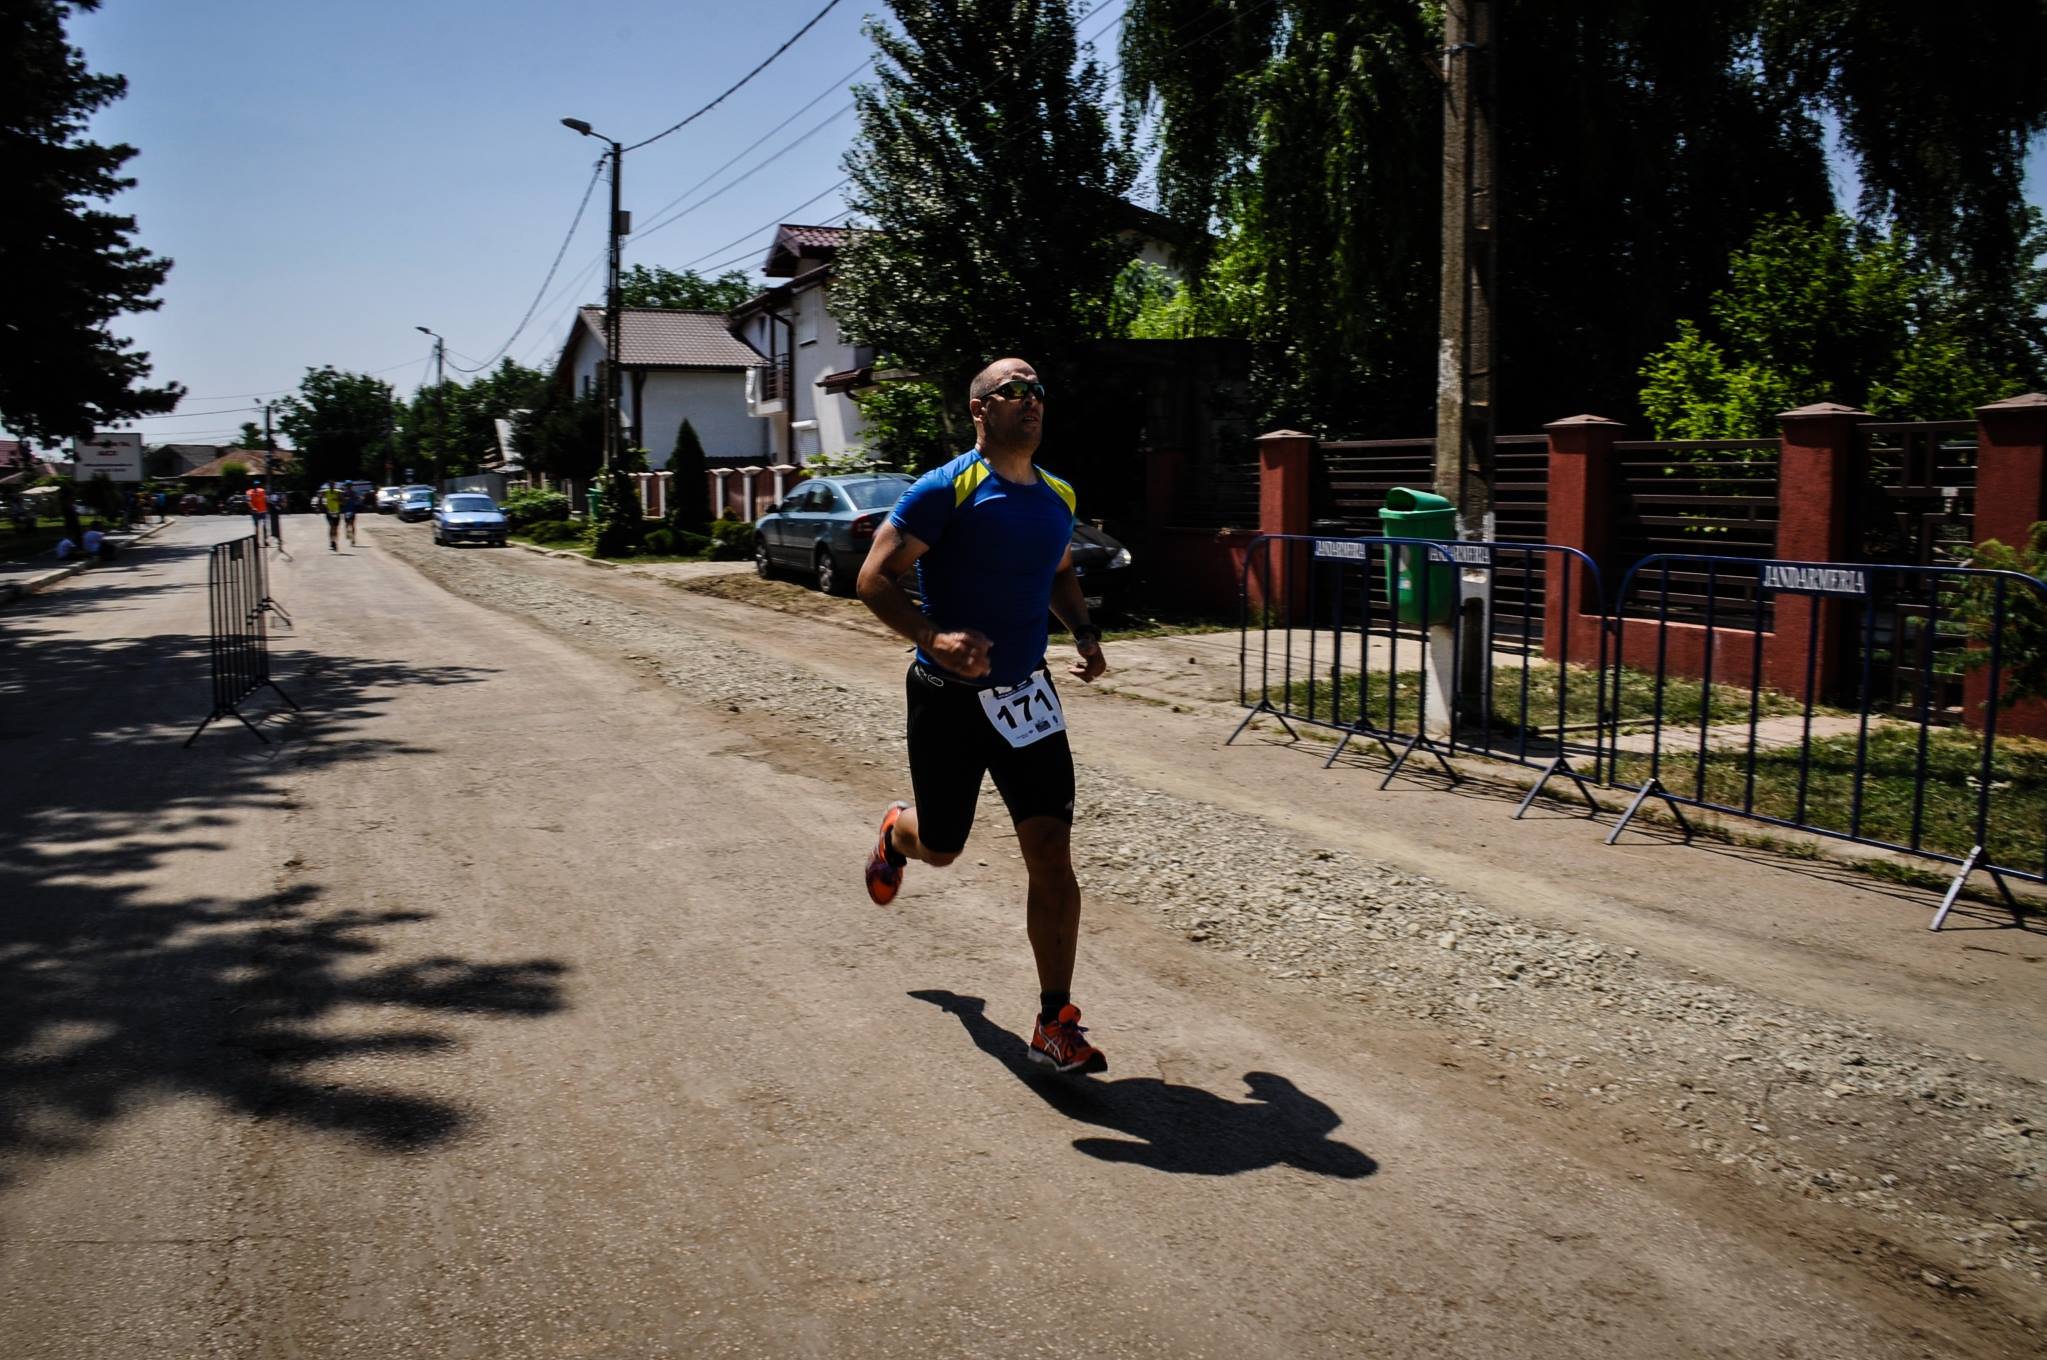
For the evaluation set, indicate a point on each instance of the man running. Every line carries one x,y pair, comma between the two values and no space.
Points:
350,503
988,534
330,501
259,510
277,499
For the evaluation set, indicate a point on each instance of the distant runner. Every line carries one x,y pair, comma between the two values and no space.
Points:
988,534
259,510
277,499
350,503
330,501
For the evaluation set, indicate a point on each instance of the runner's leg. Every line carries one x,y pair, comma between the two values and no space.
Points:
1053,904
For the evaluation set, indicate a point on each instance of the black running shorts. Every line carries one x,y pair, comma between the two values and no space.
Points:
952,744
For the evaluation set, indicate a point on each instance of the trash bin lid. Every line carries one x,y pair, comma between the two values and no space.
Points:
1402,498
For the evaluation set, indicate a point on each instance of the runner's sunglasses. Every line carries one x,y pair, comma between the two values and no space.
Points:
1016,389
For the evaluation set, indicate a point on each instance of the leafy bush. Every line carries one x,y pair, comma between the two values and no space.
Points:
660,542
554,531
528,505
731,540
692,545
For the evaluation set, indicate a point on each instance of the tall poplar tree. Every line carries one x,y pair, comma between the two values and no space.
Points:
985,181
70,268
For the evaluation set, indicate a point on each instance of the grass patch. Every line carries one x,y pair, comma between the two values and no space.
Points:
1553,694
1892,789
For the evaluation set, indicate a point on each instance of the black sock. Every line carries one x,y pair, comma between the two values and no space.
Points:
1049,1004
896,858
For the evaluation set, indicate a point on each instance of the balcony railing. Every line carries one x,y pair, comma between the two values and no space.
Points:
772,381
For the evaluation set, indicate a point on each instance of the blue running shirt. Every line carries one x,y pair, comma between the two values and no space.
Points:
994,546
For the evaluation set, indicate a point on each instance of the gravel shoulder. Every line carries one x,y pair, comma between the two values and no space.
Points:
1759,1045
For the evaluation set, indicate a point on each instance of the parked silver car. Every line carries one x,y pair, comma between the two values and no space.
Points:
469,517
825,526
415,503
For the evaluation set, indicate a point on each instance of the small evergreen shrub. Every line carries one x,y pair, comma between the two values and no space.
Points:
660,542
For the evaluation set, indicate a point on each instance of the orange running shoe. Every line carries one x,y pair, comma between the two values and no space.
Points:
884,863
1062,1047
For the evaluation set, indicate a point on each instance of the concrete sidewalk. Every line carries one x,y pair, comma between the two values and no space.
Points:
26,578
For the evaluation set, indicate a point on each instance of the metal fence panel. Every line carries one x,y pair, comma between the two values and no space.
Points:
1324,643
1867,708
238,643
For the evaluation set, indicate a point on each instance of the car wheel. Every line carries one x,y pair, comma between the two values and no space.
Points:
762,567
828,572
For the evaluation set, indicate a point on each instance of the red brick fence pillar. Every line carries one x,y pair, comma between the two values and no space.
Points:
2011,496
1580,513
1286,467
1818,470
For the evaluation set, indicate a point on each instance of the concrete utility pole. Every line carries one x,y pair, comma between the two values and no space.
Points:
440,402
1464,361
269,450
1464,357
621,227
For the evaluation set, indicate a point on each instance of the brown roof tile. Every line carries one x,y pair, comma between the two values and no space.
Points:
661,337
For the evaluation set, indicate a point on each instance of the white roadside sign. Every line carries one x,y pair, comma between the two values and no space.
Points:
117,453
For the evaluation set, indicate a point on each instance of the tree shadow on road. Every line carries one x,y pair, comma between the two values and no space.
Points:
1175,1128
243,985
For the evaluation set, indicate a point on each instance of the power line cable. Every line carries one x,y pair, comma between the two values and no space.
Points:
830,5
744,175
519,329
777,220
815,100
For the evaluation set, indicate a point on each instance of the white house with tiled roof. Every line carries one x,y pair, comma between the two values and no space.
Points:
801,391
675,365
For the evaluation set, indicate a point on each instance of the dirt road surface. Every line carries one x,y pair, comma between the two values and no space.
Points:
521,999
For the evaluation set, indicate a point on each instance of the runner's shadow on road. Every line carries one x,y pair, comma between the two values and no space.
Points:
1169,1127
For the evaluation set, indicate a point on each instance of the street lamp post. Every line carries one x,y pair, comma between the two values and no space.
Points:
620,226
440,401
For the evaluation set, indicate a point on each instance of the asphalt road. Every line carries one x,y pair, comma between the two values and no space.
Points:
511,1005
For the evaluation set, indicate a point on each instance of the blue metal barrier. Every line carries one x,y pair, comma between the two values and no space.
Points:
1338,649
1829,698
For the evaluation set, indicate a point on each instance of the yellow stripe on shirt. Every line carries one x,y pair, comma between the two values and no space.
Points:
1060,485
971,476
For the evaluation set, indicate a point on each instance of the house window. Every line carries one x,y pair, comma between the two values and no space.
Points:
808,446
806,323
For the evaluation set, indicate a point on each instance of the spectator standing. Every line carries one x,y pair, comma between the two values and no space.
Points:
259,511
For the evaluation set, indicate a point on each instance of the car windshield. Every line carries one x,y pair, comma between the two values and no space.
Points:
475,503
419,495
877,493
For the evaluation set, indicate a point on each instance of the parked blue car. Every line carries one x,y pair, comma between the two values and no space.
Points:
469,517
826,525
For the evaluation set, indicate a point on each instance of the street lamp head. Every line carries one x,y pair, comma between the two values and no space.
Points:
577,125
424,331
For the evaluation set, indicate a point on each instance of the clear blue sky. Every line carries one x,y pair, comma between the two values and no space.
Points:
329,176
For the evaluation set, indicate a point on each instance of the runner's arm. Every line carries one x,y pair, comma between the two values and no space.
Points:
964,652
1069,602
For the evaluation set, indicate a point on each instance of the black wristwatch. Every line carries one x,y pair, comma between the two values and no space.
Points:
1085,634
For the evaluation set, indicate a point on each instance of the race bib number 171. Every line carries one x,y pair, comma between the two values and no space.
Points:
1025,712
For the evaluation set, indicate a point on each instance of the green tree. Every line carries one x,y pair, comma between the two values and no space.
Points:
250,436
340,423
988,170
70,268
234,478
689,484
902,425
653,286
1639,144
561,435
1832,311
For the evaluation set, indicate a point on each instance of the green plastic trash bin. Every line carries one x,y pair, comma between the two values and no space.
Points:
1419,514
594,498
